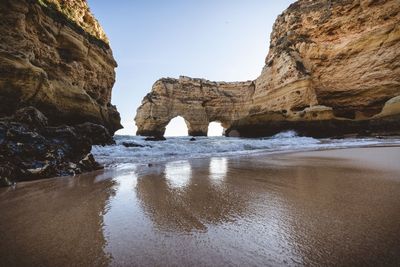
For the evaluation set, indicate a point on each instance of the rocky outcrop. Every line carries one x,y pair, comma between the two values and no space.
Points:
56,76
79,13
198,101
31,149
331,69
60,64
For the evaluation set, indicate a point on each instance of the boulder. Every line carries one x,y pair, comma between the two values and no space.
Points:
33,150
155,138
133,144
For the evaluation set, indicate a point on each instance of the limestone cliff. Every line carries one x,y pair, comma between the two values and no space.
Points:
331,67
78,11
55,56
198,101
56,76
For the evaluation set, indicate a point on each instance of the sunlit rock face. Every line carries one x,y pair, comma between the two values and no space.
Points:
56,76
331,68
55,56
198,101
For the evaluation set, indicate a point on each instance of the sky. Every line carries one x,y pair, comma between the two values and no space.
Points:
220,40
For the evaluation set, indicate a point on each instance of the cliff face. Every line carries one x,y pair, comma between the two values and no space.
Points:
55,56
56,76
77,11
331,67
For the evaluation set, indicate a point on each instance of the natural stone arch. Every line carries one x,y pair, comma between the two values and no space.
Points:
198,101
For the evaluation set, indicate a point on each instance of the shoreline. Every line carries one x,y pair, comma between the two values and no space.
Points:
151,166
181,148
314,208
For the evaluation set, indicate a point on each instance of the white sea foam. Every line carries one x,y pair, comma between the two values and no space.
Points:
175,148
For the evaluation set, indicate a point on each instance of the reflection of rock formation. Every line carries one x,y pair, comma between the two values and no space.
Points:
56,222
218,168
331,67
186,197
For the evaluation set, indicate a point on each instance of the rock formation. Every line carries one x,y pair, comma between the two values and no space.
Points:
198,101
31,149
48,60
333,68
56,69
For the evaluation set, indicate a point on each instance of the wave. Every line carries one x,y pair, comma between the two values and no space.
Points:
175,148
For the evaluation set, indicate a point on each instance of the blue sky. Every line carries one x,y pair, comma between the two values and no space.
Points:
222,40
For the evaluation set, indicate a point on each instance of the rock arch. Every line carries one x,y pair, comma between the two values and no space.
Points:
198,101
305,85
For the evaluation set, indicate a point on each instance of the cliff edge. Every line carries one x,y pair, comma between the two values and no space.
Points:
332,69
49,61
56,76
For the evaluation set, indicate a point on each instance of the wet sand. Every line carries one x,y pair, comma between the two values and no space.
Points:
322,208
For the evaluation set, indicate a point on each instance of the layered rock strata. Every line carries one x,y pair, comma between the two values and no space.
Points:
48,60
56,76
331,69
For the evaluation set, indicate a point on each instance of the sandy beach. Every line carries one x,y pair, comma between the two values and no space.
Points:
322,208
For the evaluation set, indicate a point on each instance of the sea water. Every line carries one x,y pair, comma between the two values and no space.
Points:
176,148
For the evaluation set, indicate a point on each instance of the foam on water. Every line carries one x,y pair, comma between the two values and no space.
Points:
175,148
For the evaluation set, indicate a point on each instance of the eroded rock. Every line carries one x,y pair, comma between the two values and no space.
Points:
32,151
198,101
56,76
332,69
155,138
133,144
55,56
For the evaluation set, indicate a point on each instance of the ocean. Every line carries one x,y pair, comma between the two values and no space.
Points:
177,148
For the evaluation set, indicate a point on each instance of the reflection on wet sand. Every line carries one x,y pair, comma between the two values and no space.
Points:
56,222
336,208
183,196
178,173
218,169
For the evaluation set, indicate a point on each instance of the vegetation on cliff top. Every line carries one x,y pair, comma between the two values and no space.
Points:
64,14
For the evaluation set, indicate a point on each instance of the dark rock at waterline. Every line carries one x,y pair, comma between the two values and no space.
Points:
192,139
8,174
336,128
30,116
96,133
155,138
133,144
29,149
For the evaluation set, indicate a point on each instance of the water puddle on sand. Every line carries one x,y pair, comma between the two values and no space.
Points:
313,208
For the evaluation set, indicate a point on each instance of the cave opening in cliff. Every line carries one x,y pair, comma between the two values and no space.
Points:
215,129
177,127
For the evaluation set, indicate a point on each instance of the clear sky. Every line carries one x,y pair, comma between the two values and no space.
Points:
221,40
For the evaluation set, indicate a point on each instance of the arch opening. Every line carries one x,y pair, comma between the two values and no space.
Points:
177,127
215,129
